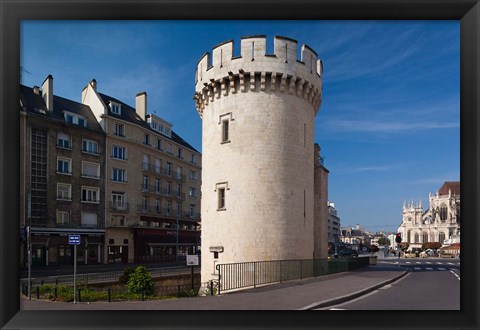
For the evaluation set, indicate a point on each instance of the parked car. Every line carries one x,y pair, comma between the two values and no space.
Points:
348,253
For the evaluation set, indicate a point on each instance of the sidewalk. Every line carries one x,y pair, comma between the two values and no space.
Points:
310,293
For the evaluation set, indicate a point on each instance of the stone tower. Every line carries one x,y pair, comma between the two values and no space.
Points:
258,163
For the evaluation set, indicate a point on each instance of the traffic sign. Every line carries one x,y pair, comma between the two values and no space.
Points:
192,260
74,239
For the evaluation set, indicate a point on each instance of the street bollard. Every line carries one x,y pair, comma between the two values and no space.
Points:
109,295
55,292
178,291
79,296
211,288
38,292
143,295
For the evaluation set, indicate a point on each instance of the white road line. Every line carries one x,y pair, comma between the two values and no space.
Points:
428,262
417,268
418,262
458,277
439,263
407,262
429,268
450,263
337,309
441,269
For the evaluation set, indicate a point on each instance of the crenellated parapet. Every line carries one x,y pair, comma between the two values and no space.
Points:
221,74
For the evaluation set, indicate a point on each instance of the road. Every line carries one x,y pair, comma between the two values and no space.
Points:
432,284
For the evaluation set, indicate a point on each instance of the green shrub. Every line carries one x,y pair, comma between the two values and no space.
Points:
123,279
140,281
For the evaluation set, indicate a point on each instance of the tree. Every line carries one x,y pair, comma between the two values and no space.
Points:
140,280
384,241
404,246
431,245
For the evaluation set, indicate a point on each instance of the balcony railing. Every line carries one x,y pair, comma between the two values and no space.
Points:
152,168
122,207
162,191
170,213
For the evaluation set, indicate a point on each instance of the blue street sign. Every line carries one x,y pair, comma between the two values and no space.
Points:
74,239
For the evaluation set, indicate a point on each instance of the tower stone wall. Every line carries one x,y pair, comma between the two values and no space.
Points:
258,114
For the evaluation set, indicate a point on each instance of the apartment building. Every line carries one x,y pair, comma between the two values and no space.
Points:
152,183
62,162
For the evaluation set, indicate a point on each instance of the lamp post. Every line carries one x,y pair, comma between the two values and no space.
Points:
29,246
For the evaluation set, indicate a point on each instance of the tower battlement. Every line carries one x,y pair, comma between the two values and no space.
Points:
220,73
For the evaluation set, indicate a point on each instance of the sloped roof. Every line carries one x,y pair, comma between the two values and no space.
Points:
454,186
33,102
129,114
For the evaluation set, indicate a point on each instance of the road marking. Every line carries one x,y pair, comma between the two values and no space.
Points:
429,268
418,262
407,262
428,262
417,268
439,263
337,309
441,269
450,263
451,271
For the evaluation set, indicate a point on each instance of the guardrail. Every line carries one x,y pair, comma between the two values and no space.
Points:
252,274
105,277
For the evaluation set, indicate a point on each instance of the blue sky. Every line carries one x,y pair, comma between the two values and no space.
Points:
388,126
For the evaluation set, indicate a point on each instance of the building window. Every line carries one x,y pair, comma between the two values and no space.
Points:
90,195
63,141
443,213
89,220
169,188
180,153
144,183
179,209
179,190
225,131
416,238
409,239
158,165
157,185
90,170
119,175
221,198
118,200
424,238
158,206
194,159
119,130
192,210
159,145
179,173
115,108
117,220
64,191
169,207
144,203
63,217
119,152
441,237
192,192
75,119
193,175
64,165
169,169
90,146
146,139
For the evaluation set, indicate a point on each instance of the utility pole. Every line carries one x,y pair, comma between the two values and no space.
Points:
29,246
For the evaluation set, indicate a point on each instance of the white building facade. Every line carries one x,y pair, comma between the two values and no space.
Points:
439,223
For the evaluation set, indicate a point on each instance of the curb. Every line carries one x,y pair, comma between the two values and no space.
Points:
353,295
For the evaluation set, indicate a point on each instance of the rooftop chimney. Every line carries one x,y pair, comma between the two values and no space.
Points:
36,90
94,84
47,92
141,105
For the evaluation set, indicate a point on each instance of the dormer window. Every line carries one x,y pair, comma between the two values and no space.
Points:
115,108
75,119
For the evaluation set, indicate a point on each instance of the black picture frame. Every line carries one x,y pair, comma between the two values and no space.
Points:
13,11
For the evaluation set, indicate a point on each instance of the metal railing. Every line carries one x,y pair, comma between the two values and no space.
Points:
252,274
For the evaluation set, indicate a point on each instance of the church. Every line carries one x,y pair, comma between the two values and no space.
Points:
439,223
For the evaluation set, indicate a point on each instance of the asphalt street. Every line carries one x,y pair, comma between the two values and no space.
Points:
431,284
